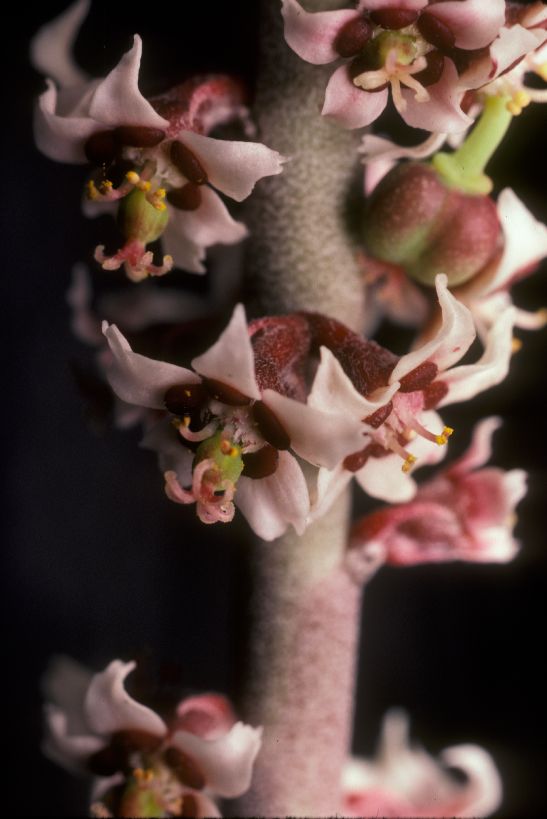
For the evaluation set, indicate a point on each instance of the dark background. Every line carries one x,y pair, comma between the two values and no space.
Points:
99,565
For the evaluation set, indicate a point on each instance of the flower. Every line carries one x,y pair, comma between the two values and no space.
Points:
166,168
405,781
463,513
410,46
237,413
423,379
146,766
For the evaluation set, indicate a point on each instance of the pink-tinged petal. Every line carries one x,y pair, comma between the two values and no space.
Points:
320,437
525,240
205,808
172,456
480,449
137,379
349,105
333,392
208,716
62,745
271,504
482,792
117,99
233,167
380,155
515,486
470,379
109,708
442,113
231,359
510,45
452,341
473,22
51,46
59,137
190,231
312,35
329,485
64,685
376,5
227,762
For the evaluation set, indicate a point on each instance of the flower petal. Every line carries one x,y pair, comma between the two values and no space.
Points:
483,790
474,22
172,456
525,240
117,99
64,685
231,359
442,113
233,167
109,708
312,35
51,46
480,449
329,485
380,155
59,137
375,5
137,379
226,763
61,745
208,716
350,106
271,504
452,341
470,379
190,231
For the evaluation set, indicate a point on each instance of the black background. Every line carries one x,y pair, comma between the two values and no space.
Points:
99,565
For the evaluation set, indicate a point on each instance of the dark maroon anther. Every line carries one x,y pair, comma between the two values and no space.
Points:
394,19
139,136
225,393
261,463
181,399
377,418
352,37
434,393
101,148
436,32
115,756
270,426
188,163
186,198
432,73
419,377
184,768
355,461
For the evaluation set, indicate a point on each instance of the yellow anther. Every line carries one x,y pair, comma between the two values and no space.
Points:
144,185
513,108
92,192
541,70
143,774
516,344
106,185
160,205
187,393
161,193
186,420
522,99
132,177
409,463
442,439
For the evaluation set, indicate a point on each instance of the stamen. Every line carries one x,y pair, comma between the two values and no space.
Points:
227,448
143,775
137,262
442,439
408,458
516,344
200,435
541,71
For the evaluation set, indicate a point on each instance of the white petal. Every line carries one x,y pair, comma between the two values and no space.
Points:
312,35
140,380
524,236
482,793
233,167
329,486
63,747
109,708
442,112
231,359
480,449
172,455
117,99
454,338
380,155
59,137
64,685
186,253
350,106
51,46
515,486
474,22
226,763
271,504
470,379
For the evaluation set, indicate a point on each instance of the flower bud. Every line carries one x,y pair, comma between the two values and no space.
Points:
139,219
414,220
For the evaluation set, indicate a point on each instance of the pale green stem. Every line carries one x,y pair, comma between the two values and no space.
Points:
464,169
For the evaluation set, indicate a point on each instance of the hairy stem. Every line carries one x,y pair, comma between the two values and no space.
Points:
305,605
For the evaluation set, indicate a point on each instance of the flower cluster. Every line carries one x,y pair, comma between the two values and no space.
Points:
145,764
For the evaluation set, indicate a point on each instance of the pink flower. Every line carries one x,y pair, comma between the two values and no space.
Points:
94,726
463,513
238,412
403,780
176,167
405,428
408,45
